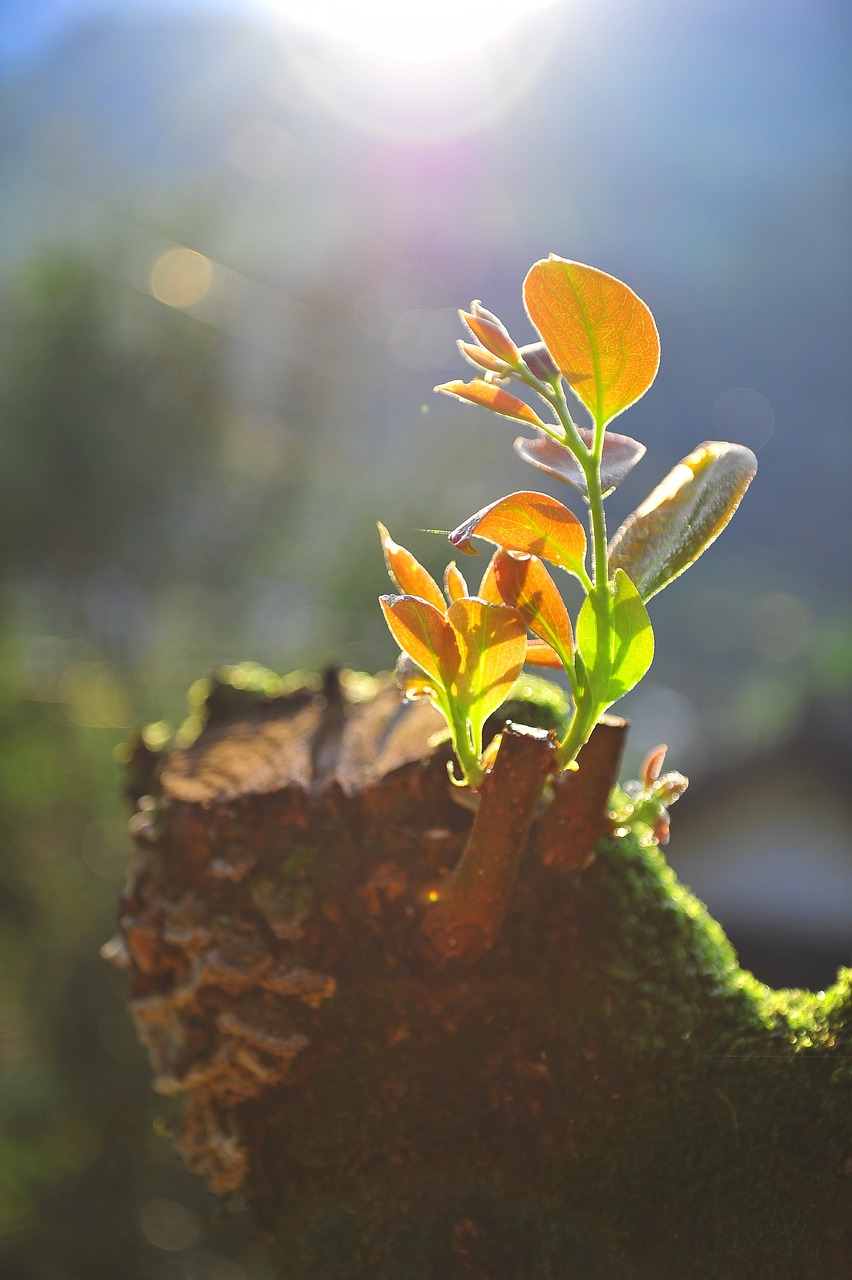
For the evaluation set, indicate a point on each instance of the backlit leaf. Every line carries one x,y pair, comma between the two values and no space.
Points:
492,644
424,634
489,396
540,654
616,641
408,574
620,455
532,523
684,514
488,589
454,583
601,335
525,584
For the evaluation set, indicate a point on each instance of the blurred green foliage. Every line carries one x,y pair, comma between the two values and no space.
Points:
113,414
158,516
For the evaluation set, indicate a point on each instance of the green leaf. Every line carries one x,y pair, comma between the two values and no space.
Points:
532,523
492,643
601,335
615,639
681,518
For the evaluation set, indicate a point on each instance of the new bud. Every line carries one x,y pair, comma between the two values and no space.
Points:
491,333
482,359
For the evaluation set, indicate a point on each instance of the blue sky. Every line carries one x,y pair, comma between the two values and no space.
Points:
26,27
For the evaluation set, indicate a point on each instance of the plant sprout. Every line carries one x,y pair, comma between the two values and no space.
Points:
598,342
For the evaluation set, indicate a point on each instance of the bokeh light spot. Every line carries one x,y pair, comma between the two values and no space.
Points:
168,1225
181,277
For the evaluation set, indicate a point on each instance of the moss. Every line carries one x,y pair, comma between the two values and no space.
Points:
609,1096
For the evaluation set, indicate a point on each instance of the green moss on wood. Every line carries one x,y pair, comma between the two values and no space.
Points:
609,1096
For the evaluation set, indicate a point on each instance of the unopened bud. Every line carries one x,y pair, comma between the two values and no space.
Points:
483,359
491,333
540,362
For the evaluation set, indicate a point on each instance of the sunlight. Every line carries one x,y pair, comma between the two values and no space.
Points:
440,30
418,72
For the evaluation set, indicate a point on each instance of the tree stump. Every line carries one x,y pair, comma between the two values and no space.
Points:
431,1042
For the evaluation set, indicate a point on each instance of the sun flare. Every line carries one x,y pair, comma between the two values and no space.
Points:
441,29
417,71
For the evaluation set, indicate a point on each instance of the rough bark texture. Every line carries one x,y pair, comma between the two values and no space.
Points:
432,1044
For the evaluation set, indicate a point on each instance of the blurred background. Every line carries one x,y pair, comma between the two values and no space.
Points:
233,238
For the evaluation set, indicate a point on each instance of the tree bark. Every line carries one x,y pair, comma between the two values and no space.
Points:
428,1042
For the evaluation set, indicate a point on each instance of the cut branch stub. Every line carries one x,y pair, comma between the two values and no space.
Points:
577,818
290,863
471,904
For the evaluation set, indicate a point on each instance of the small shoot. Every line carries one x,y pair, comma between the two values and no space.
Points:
467,651
597,343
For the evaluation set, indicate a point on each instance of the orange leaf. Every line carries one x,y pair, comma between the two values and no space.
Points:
454,583
489,396
408,574
488,589
525,584
601,335
424,634
492,642
532,523
540,654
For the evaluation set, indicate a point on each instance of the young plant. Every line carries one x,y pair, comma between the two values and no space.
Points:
598,342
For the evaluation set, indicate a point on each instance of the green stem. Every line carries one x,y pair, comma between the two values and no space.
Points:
597,520
580,729
467,757
585,713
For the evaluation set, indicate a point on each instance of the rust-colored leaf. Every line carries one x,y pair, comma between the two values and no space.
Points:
601,335
540,654
525,584
489,396
620,455
532,523
407,573
423,632
492,643
681,517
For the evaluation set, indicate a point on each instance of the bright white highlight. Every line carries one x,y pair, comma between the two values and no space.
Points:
401,30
